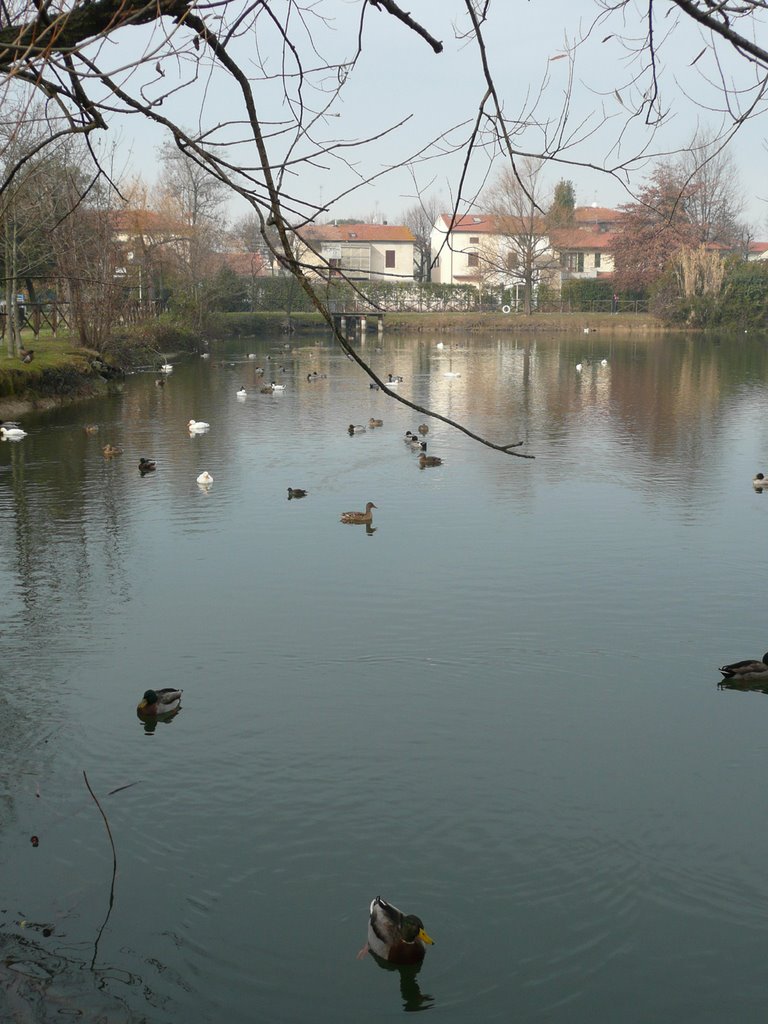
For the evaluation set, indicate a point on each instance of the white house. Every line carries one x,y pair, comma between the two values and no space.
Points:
361,252
482,250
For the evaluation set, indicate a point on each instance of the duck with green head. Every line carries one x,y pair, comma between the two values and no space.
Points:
396,937
159,702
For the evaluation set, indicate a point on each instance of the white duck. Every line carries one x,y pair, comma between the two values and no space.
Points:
198,426
242,393
205,477
13,432
278,387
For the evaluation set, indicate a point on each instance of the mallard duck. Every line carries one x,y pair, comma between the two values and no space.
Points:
159,702
205,477
198,426
423,428
110,450
394,936
355,428
372,423
12,432
759,481
266,390
242,393
743,671
147,466
429,460
359,517
296,492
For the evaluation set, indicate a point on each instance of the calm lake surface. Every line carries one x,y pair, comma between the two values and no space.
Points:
498,708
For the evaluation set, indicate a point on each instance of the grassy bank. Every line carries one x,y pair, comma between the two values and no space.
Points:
253,324
516,322
59,372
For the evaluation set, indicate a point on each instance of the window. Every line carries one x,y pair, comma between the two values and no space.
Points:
472,260
573,261
475,240
597,260
389,257
334,262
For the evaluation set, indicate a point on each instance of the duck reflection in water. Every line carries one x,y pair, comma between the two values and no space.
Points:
150,724
410,992
744,685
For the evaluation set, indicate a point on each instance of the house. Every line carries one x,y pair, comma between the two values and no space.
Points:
757,251
459,246
484,250
585,248
360,252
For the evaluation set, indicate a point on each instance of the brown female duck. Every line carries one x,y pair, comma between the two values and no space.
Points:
359,517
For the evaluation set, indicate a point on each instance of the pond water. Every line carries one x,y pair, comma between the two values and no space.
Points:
496,707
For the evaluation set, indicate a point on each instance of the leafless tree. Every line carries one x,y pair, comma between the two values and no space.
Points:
421,218
714,200
520,249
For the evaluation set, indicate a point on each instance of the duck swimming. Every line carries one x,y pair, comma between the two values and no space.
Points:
746,671
110,450
242,393
12,432
423,428
359,517
147,466
429,460
159,702
197,426
355,428
396,937
759,481
205,477
296,492
372,423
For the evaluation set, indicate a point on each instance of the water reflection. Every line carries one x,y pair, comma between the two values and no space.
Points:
150,724
413,998
41,981
743,686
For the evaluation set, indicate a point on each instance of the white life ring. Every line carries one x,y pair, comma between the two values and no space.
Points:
506,309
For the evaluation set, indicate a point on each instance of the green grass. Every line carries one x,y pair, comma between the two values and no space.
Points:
57,368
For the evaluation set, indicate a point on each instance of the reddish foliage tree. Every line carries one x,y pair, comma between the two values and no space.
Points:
654,228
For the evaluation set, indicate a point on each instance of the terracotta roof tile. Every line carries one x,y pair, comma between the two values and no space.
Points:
357,233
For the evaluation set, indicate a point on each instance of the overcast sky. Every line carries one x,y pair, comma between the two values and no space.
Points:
398,76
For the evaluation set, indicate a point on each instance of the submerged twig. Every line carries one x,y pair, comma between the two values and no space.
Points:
114,871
